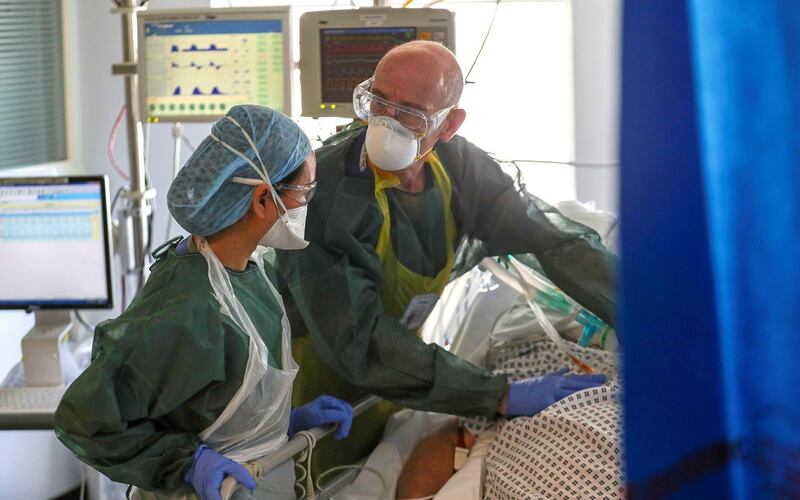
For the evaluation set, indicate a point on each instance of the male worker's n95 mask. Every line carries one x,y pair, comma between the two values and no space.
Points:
390,145
288,231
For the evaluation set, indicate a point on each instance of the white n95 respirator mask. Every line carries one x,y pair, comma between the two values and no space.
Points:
390,145
288,231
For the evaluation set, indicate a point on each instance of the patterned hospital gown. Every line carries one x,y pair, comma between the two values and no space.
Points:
572,449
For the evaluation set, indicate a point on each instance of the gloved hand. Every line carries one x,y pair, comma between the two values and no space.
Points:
209,470
322,411
532,395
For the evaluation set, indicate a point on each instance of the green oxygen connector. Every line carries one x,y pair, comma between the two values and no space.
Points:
551,299
591,326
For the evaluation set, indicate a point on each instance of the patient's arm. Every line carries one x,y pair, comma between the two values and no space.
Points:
431,463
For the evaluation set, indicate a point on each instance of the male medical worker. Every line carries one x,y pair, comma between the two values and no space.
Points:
395,199
196,375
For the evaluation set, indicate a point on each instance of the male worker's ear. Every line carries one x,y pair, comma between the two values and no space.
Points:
452,124
261,202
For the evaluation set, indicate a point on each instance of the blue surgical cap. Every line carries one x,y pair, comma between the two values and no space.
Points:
202,198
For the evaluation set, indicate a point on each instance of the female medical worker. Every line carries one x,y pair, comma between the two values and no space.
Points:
196,375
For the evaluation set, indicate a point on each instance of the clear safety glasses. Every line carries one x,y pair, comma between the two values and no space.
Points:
367,104
301,193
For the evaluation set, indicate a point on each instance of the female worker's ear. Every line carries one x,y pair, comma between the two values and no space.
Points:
261,201
452,124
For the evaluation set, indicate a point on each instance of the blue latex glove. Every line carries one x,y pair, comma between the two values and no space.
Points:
322,411
209,470
532,395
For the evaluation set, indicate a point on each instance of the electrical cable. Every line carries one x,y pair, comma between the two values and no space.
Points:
478,55
308,487
112,139
83,322
188,143
124,295
149,245
350,467
116,197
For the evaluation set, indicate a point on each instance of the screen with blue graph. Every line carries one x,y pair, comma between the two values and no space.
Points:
198,69
54,243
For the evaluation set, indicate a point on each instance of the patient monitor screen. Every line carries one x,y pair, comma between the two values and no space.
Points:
341,48
199,69
52,245
349,56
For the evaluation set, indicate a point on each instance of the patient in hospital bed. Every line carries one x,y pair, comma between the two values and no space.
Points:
572,449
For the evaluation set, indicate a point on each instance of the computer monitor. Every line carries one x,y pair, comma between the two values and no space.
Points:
55,256
195,64
55,249
341,48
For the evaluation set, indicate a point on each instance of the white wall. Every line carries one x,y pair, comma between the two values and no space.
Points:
596,47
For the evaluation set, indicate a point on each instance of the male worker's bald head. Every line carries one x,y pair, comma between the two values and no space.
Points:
430,61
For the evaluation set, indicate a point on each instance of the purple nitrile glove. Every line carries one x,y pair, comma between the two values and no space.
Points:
322,411
209,470
532,395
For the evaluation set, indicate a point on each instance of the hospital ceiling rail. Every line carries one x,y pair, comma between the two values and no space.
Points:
295,445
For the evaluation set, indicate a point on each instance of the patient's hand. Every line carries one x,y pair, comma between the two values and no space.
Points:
430,465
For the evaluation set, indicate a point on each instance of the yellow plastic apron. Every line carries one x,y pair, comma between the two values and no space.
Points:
316,378
400,284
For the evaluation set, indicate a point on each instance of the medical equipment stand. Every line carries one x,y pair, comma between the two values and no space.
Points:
140,210
40,354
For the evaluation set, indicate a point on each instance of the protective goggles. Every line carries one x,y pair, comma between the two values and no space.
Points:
301,193
366,104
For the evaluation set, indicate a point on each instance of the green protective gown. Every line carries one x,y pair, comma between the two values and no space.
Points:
335,284
163,371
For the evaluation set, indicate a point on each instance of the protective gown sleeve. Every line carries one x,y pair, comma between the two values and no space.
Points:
334,285
342,310
135,413
488,207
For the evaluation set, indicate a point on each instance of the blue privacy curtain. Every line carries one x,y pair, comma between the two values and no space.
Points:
710,280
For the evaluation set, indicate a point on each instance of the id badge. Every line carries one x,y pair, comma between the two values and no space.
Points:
418,310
